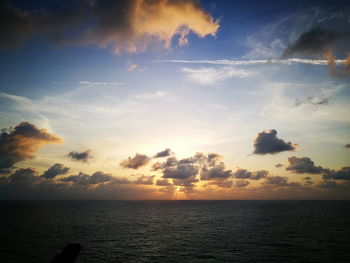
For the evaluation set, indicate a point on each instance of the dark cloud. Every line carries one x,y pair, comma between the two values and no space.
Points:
163,182
181,171
22,142
215,172
221,182
55,170
213,158
167,152
144,179
307,178
184,171
245,174
80,156
24,176
313,100
342,174
85,179
123,25
266,142
156,166
304,165
322,42
136,162
187,184
327,184
241,183
279,165
347,145
314,42
281,181
276,180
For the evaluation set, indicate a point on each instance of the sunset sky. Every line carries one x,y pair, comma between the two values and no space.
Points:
164,99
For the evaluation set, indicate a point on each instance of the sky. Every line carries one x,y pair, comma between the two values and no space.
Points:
174,100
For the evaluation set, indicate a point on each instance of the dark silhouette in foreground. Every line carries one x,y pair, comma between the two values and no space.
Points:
68,255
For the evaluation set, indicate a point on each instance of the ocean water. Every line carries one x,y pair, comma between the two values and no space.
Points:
177,231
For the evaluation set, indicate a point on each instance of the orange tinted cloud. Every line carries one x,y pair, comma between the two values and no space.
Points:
122,26
22,142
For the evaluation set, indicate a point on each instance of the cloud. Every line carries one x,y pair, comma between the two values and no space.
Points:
276,180
95,83
266,142
25,176
163,182
252,62
313,100
85,179
241,183
136,162
215,172
245,174
144,179
304,165
279,165
314,42
167,152
22,142
123,26
55,170
342,174
322,42
187,183
327,184
210,76
181,171
132,67
80,156
347,145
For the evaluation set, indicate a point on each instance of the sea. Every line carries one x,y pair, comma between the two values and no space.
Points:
176,231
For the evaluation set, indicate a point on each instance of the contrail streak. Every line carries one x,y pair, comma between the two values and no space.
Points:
289,61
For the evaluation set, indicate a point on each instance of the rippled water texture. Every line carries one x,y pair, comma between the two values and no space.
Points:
177,231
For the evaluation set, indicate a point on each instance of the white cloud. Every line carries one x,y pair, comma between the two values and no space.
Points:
211,75
289,61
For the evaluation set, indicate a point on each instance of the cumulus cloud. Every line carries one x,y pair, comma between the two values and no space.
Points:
144,179
302,165
187,184
24,176
342,174
55,170
266,142
85,179
22,142
167,152
136,162
181,171
123,26
215,172
245,174
80,156
276,180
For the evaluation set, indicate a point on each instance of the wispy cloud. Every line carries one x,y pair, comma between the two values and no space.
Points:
211,75
288,61
101,83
